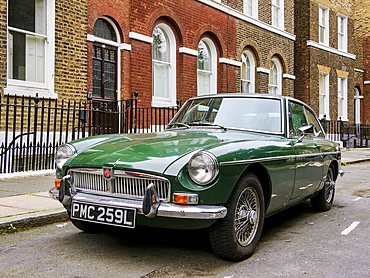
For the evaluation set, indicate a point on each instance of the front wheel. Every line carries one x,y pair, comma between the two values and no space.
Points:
323,201
236,236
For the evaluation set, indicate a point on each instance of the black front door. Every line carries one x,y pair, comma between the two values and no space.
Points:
104,95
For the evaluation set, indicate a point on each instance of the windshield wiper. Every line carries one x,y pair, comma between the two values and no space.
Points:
209,124
179,124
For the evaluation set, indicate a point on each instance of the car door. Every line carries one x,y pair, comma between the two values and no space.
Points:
307,150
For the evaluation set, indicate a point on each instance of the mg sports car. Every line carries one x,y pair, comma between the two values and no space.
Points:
224,162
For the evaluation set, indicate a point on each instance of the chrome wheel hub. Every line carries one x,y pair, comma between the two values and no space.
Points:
252,217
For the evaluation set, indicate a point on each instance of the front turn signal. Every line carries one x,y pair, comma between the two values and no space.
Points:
185,198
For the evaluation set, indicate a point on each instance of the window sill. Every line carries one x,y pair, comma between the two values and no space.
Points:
163,103
29,91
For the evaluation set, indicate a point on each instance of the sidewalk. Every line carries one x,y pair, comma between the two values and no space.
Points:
25,201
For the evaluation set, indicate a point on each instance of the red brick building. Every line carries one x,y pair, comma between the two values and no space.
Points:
169,50
155,48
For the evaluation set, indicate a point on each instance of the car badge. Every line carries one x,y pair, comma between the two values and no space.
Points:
108,173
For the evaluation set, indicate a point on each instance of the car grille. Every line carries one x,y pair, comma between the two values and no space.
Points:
127,184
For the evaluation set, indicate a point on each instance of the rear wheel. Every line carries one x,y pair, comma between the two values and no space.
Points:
236,236
324,200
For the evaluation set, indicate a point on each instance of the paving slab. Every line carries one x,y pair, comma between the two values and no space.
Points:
30,202
24,185
10,211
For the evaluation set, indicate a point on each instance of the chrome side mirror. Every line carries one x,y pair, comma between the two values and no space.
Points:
303,131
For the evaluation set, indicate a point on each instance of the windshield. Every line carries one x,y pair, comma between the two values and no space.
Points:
257,114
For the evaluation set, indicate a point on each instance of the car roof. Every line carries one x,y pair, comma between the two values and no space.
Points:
246,95
238,95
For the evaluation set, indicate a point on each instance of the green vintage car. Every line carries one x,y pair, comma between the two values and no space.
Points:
225,162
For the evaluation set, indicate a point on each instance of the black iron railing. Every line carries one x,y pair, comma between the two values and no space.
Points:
31,129
352,135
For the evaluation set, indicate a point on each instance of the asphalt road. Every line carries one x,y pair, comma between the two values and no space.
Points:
296,243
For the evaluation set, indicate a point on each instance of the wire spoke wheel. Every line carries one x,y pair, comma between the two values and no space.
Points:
329,186
246,216
323,201
236,236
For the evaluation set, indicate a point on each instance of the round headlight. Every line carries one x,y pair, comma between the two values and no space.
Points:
203,168
64,152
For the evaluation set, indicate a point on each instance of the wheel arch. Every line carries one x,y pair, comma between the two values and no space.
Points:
262,174
335,165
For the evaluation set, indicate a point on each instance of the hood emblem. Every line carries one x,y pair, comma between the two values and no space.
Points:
108,173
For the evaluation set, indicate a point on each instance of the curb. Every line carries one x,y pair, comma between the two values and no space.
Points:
24,223
355,161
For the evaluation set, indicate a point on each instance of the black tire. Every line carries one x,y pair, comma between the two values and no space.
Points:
246,213
85,226
323,201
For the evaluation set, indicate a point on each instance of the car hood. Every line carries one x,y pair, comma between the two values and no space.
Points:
152,152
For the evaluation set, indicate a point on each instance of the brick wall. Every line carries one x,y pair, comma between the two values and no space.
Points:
366,87
71,49
190,21
264,11
264,45
362,29
3,43
334,62
307,58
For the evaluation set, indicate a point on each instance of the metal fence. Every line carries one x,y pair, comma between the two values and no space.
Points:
351,135
31,129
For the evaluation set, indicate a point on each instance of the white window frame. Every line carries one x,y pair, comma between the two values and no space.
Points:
324,96
253,11
342,32
323,25
171,100
279,15
358,98
342,98
252,62
28,88
213,72
279,79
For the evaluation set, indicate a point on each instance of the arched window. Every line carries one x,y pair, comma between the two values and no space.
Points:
103,29
206,67
275,77
247,73
358,98
104,61
164,66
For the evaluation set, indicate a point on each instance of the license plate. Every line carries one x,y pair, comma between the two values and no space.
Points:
110,215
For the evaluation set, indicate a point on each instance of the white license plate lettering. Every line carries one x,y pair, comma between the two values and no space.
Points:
100,216
109,214
126,222
119,216
103,214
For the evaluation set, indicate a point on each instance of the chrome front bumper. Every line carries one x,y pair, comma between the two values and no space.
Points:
202,212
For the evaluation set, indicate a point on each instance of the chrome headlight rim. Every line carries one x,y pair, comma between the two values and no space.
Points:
61,158
215,168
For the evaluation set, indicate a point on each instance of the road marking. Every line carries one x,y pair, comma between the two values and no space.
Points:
350,228
358,198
